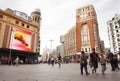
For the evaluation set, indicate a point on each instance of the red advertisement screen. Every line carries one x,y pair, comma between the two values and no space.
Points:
20,39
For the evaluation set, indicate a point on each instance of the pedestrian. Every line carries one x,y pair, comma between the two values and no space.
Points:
59,60
110,59
115,62
17,61
52,60
49,59
94,58
103,61
83,63
10,61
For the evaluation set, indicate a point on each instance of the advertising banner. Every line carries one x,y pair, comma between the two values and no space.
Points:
20,39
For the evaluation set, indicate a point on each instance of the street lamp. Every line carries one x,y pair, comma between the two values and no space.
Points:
12,36
51,42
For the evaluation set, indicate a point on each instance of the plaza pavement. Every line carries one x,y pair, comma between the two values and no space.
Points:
45,72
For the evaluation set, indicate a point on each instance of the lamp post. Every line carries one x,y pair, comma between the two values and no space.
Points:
11,45
51,42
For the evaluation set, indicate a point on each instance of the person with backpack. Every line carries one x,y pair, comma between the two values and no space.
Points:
94,58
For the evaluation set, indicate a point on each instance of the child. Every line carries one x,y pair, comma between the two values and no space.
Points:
103,63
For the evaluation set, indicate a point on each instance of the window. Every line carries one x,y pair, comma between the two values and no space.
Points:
17,22
118,44
116,30
89,49
85,49
118,40
27,26
118,35
110,24
1,16
116,27
22,24
115,23
85,35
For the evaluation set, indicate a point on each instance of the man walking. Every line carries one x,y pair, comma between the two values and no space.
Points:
94,60
83,63
110,58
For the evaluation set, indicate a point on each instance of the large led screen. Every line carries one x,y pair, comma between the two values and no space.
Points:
20,39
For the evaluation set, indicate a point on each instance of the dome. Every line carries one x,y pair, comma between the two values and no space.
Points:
37,11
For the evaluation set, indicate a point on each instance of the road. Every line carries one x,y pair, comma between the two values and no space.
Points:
45,72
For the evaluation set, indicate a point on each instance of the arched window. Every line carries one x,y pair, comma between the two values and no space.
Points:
85,35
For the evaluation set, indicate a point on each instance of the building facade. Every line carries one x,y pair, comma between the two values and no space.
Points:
70,42
20,34
87,32
113,27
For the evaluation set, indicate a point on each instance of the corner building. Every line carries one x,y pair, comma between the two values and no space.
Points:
87,33
113,27
19,35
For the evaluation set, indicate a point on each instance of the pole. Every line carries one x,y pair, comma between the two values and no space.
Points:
11,45
51,42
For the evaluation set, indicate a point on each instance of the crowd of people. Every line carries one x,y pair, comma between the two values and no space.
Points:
95,58
53,60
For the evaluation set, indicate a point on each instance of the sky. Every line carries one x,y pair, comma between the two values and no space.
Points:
58,16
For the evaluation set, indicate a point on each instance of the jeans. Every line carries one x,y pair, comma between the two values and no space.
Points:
85,67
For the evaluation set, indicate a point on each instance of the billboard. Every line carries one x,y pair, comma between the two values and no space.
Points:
20,39
21,14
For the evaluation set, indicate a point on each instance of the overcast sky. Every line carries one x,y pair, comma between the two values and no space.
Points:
58,16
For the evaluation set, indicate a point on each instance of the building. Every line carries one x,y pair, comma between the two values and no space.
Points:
102,47
20,35
87,32
70,42
113,27
83,36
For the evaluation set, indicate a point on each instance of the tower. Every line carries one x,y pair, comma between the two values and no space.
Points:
87,33
36,16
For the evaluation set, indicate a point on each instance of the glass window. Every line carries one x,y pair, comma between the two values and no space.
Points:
27,26
110,24
116,26
89,49
1,16
116,30
17,22
118,44
22,24
118,35
85,49
118,40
